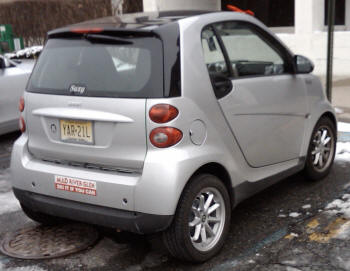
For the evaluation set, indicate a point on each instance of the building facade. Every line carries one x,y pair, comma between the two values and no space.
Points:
301,24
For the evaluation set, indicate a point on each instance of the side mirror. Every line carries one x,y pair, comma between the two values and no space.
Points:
4,63
303,64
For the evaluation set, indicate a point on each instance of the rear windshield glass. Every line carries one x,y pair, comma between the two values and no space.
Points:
131,68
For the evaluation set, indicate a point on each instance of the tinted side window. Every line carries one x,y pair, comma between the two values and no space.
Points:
213,55
249,52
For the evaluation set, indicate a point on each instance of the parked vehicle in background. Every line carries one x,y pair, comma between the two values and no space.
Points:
13,79
164,122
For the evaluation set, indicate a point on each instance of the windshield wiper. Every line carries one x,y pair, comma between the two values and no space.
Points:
99,38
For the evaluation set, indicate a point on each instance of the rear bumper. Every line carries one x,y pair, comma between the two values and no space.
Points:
103,216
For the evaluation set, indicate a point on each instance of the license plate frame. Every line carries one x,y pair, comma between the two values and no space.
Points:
81,141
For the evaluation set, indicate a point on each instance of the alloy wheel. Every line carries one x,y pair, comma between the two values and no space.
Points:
207,219
322,148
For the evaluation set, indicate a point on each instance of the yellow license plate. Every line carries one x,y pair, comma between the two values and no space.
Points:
76,131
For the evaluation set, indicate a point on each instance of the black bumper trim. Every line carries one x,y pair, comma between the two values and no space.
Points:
140,223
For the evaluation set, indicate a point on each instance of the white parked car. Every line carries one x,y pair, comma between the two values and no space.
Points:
13,80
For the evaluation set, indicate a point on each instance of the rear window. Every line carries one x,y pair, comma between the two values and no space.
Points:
131,68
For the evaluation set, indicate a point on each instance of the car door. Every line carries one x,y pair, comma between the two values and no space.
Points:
266,106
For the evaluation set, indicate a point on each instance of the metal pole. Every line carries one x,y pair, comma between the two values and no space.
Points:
331,16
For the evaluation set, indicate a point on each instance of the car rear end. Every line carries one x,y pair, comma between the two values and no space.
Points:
84,117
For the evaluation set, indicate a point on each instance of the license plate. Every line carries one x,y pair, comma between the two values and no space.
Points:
76,131
75,185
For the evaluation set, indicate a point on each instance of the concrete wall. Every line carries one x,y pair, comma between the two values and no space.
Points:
314,46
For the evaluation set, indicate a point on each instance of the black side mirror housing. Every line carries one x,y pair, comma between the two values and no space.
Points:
2,63
303,64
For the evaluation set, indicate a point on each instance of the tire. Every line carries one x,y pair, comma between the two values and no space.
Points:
178,238
41,218
315,170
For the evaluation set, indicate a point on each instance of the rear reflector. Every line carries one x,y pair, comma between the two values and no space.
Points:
164,137
21,104
86,30
163,113
22,124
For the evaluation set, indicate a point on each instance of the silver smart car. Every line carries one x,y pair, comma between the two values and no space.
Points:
164,122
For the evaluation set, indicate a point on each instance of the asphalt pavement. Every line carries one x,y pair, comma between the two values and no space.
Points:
285,227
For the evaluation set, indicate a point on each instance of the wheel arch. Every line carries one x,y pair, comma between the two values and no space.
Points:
331,116
219,171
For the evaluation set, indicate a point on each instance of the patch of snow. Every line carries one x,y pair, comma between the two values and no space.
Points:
338,110
307,206
294,214
282,215
294,234
289,262
26,52
8,203
346,196
344,232
343,127
343,151
251,261
339,206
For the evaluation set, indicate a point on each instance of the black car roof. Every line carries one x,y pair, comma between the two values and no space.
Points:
134,21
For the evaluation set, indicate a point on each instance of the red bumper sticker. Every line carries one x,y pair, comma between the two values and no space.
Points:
76,185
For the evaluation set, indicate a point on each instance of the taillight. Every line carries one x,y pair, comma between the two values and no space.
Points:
22,124
21,104
164,137
163,113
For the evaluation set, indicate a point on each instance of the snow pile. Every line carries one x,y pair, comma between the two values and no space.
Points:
340,206
343,151
28,52
344,127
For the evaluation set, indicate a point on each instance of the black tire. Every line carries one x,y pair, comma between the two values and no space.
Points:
312,171
44,219
177,238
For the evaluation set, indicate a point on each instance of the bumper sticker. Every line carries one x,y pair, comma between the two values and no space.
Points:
76,185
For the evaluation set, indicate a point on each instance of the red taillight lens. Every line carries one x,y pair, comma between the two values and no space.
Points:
163,113
87,30
164,137
22,124
21,104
